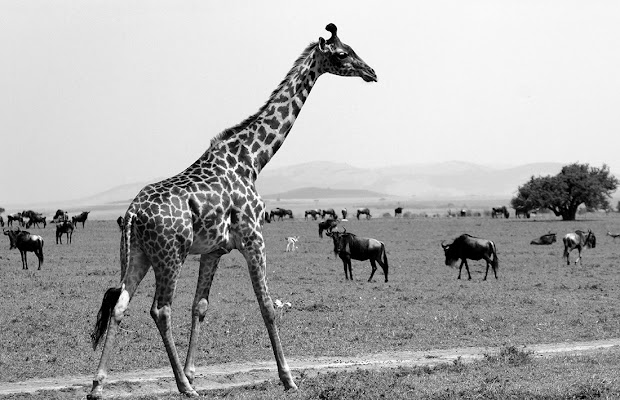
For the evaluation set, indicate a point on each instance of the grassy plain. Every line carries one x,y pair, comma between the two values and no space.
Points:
47,315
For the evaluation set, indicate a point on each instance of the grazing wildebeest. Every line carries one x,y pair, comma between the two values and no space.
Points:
578,240
36,220
291,243
467,247
65,227
348,246
25,242
364,211
80,218
15,217
344,213
613,235
327,226
120,221
314,213
549,238
330,212
500,211
398,211
522,212
280,213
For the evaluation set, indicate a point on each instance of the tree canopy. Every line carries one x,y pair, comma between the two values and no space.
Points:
563,193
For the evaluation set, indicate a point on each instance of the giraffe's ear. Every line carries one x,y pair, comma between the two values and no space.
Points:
322,45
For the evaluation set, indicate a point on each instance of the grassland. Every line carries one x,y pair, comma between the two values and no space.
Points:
47,315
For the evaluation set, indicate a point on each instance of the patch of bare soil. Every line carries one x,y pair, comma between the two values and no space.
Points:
222,376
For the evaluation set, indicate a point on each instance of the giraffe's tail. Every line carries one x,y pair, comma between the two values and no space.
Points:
103,317
126,241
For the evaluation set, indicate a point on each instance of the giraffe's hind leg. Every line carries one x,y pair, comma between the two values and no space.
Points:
137,269
254,252
208,266
166,276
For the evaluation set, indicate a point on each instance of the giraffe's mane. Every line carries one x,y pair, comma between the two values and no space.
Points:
229,132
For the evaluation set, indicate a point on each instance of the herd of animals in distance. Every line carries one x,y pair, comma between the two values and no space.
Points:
347,245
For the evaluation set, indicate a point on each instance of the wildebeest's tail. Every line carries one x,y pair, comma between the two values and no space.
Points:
103,317
385,261
41,253
495,262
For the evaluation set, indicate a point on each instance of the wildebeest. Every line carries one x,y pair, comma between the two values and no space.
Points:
364,211
577,240
467,247
549,238
314,213
522,212
398,211
500,211
80,218
15,217
1,221
25,242
60,216
330,212
280,213
291,243
65,227
120,221
327,226
613,235
348,246
344,213
36,220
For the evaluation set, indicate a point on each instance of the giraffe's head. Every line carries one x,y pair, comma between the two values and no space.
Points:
340,59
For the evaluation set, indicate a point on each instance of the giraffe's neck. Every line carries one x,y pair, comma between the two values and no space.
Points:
263,133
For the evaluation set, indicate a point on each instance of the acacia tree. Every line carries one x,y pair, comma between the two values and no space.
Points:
563,193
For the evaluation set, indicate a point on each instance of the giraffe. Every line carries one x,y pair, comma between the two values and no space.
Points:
210,209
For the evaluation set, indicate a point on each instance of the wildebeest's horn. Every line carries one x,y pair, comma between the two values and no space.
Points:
444,246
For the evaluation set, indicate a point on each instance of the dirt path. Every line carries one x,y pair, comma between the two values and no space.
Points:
241,374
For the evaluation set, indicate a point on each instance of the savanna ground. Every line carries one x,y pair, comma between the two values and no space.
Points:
47,315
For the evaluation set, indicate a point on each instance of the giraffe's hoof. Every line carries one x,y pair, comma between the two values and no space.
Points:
191,393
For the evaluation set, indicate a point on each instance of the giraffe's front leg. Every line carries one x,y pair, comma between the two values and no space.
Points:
208,266
254,253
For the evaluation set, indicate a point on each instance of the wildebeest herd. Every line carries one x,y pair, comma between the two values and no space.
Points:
26,242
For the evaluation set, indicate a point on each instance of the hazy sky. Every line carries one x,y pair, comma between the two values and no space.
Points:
95,94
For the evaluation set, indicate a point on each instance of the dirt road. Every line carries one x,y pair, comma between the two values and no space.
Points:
241,374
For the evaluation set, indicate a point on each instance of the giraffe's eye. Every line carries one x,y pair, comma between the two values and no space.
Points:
342,55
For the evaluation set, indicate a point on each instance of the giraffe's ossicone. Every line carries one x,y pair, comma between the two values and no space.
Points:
210,209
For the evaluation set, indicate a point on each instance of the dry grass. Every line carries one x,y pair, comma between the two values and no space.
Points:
47,315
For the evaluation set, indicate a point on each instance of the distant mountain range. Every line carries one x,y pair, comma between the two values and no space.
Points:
436,180
445,180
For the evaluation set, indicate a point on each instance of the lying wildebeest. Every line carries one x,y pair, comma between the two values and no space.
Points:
548,238
577,240
500,211
348,246
313,213
330,212
80,218
327,225
469,247
25,242
398,211
364,211
65,227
